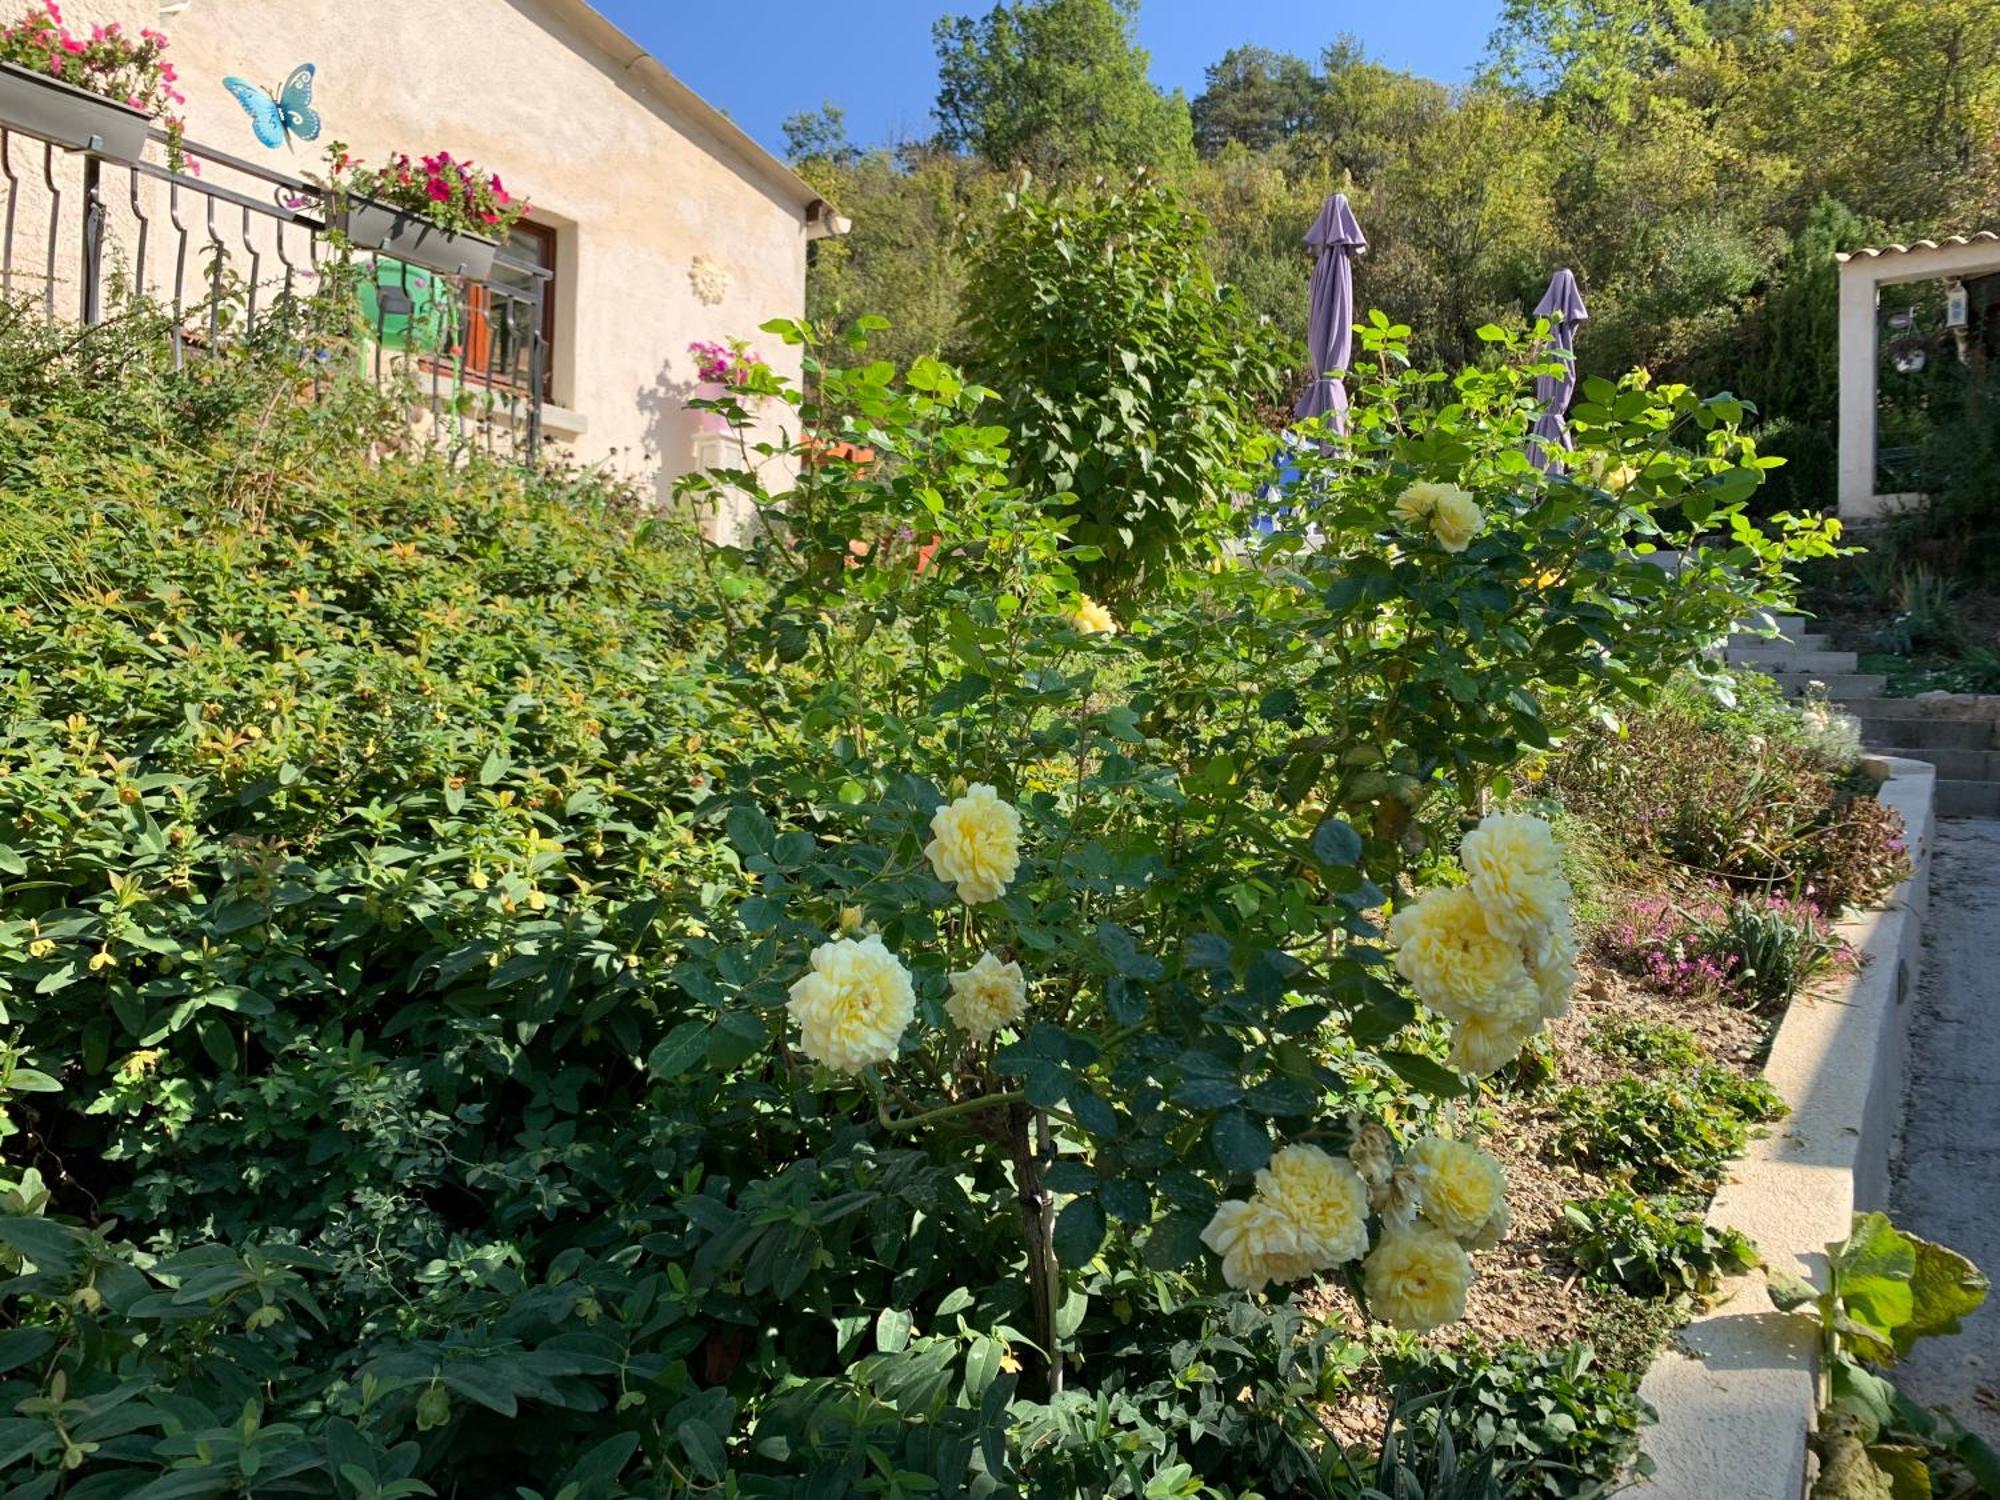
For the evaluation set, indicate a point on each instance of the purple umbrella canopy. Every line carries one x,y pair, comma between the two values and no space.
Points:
1564,303
1335,239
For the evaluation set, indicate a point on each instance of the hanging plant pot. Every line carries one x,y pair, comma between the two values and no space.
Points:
39,105
413,238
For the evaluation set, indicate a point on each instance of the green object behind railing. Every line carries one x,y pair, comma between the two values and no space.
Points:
408,308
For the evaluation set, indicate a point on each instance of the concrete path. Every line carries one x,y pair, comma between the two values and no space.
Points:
1946,1181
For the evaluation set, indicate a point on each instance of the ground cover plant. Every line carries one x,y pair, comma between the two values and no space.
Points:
504,994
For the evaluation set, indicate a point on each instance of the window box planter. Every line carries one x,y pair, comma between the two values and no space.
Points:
39,105
410,237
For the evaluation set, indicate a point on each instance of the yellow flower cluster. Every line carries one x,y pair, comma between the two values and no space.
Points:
1309,1213
986,997
1497,956
1452,515
1092,618
858,1000
854,1006
976,844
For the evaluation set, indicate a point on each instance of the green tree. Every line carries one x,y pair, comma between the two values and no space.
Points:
819,135
1127,375
1592,57
903,259
1254,96
1058,86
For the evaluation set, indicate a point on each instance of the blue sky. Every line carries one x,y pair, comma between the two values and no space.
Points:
761,60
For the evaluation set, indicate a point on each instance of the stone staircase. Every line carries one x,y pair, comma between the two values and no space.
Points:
1959,735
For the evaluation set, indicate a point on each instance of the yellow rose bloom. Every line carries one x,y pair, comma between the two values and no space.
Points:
1417,1278
1552,967
854,1006
1483,1044
1324,1198
976,844
1451,513
1258,1243
1457,964
1464,1189
1092,618
986,997
1515,868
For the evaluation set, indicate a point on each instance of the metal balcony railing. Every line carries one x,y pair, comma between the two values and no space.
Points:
241,243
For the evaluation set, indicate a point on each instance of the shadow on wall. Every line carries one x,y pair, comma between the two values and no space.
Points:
669,440
679,439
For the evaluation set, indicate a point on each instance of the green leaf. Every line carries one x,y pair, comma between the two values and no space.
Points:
1079,1231
1422,1074
682,1048
704,1449
1175,1241
482,1382
1335,842
1944,1288
1239,1142
982,1363
1870,1273
1789,1292
1121,949
892,1330
1127,1201
749,830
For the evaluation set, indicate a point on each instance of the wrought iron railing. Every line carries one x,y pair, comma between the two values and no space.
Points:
240,243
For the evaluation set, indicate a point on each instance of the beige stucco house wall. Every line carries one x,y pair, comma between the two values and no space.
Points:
635,174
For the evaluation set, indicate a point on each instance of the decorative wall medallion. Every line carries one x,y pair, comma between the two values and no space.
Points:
710,279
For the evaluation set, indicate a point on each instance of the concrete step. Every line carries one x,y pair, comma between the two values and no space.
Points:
1968,799
1744,640
1837,685
1918,733
1955,765
1787,625
1790,659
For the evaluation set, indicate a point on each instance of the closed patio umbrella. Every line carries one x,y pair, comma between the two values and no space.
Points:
1563,302
1335,239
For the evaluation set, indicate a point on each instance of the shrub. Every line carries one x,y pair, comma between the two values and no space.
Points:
1551,1424
1663,1135
1747,795
1653,1247
415,872
1127,378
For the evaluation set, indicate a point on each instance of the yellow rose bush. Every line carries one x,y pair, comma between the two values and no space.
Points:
782,1008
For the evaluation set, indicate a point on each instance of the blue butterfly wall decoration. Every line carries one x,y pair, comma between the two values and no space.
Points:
286,114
